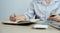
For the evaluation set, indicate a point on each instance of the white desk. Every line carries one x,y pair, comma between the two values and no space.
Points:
25,29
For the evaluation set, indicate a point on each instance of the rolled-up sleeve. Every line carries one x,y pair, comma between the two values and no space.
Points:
30,12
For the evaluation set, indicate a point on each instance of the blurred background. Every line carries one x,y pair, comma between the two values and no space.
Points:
8,7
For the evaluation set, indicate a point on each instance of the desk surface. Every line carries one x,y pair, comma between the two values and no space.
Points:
25,29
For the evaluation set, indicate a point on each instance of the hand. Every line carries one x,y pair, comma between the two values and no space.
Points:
12,18
55,18
22,18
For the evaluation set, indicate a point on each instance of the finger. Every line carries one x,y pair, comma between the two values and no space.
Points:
58,19
12,18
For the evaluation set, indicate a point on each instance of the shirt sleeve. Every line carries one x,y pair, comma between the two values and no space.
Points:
30,11
58,11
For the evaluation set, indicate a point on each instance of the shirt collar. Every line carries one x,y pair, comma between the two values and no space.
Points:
44,3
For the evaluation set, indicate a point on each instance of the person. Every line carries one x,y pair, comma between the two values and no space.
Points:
42,9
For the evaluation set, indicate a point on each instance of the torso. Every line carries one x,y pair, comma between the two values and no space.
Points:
43,10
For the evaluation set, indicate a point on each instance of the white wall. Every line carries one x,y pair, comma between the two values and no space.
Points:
8,7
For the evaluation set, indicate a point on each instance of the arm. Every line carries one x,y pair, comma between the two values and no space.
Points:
27,15
56,16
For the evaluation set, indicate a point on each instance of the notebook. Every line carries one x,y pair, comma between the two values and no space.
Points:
21,22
